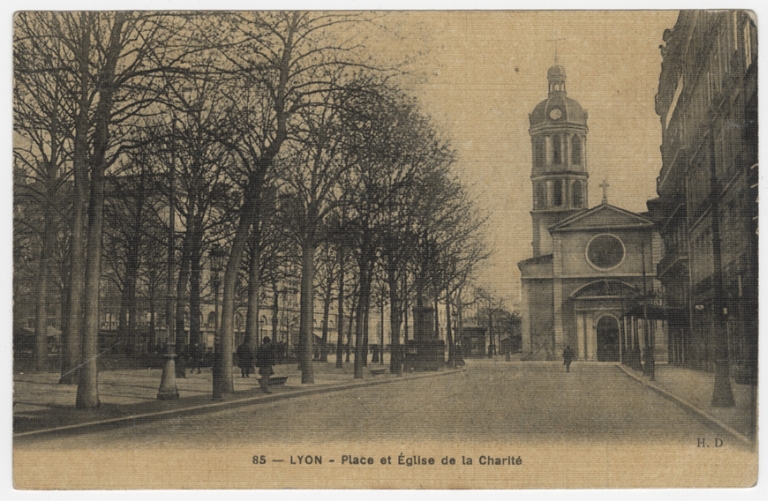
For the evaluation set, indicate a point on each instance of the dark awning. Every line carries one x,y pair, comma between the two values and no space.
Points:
655,312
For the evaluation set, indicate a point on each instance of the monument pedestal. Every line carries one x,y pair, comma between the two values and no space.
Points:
424,352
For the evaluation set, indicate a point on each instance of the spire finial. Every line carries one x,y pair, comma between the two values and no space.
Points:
556,39
604,185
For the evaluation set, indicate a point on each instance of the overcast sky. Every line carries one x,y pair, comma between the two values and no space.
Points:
483,72
486,71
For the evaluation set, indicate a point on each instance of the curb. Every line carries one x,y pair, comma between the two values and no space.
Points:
689,407
227,404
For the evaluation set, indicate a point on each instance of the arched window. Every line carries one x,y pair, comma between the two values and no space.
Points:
576,150
557,157
578,195
212,318
558,201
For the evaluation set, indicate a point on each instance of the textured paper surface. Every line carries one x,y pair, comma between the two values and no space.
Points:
485,73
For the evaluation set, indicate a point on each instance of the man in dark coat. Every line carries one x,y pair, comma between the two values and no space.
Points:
567,358
265,359
244,359
197,357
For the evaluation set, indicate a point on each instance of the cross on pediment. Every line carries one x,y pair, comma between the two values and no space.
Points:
604,185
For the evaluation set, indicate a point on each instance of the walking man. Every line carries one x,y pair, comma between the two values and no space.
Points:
567,358
265,359
245,359
197,358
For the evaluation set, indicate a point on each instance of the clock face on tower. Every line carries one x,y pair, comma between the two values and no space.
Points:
555,113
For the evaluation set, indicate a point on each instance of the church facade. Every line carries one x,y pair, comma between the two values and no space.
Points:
590,265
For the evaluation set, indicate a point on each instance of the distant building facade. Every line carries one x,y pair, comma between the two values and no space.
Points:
707,188
588,265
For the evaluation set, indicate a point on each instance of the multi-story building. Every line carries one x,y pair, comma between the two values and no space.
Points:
707,205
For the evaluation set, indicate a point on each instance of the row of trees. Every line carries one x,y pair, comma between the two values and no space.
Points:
144,138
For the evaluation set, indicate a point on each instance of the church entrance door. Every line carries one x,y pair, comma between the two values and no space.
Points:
608,339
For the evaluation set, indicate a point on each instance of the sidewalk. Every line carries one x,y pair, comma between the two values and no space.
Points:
41,405
692,389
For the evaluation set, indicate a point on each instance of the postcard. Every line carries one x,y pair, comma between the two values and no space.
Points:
385,249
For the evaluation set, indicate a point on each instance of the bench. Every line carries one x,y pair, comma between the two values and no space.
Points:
377,372
277,380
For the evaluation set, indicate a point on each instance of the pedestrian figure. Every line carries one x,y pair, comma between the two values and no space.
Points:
567,358
265,359
245,359
197,358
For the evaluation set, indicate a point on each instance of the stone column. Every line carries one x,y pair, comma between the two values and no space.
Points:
581,336
550,193
592,336
548,150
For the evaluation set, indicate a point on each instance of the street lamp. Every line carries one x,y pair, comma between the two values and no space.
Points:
216,255
168,389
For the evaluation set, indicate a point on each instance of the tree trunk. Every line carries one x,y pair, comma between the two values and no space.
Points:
459,317
349,329
395,314
41,289
381,337
275,310
195,271
132,265
366,316
405,307
449,330
87,389
340,316
72,346
122,345
222,376
359,336
307,312
181,300
195,333
361,341
152,328
326,314
252,313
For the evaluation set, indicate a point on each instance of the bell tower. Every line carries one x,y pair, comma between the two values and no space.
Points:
558,129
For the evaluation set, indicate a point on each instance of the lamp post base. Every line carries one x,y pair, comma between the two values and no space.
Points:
168,389
722,395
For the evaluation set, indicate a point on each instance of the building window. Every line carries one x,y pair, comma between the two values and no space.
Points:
539,156
578,196
557,157
576,150
605,252
540,196
558,198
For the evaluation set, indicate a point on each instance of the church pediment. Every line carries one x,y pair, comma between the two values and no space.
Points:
602,217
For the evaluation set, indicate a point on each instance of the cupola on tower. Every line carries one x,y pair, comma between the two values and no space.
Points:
558,129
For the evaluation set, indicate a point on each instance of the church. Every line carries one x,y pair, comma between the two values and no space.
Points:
590,266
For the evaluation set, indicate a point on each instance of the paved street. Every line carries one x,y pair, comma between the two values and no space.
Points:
490,400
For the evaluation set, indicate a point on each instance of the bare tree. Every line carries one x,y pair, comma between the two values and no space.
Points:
285,59
108,61
42,145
